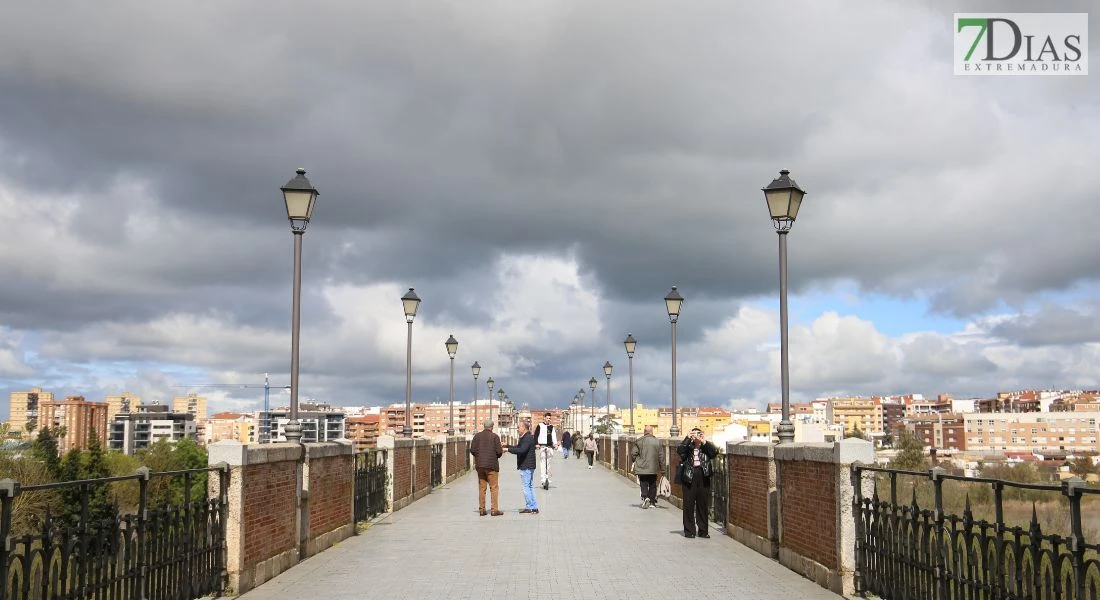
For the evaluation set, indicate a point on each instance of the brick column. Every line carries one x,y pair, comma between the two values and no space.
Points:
753,496
816,522
328,495
263,524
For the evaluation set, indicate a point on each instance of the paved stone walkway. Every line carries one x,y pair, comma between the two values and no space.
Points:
591,540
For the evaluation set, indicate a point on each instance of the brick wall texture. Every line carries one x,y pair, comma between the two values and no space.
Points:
748,493
423,467
402,472
808,497
331,489
270,499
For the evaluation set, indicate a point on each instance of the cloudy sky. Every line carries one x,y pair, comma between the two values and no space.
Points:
541,172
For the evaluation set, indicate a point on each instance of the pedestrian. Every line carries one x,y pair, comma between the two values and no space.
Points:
649,462
590,449
546,440
694,474
578,444
525,462
566,444
487,451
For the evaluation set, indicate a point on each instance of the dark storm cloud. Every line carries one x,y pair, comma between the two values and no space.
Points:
1052,325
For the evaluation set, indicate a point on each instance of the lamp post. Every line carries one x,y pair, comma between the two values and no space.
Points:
673,302
500,405
585,408
631,344
576,417
452,348
573,414
607,373
592,383
784,198
476,368
489,384
300,198
410,301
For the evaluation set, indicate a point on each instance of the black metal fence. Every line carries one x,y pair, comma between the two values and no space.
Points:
437,465
719,489
908,551
173,550
370,484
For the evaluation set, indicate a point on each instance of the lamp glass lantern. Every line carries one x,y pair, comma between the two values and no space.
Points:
300,197
475,369
673,302
452,346
784,197
607,368
411,302
631,344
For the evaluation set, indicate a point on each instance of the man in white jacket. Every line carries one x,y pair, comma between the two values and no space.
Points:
546,440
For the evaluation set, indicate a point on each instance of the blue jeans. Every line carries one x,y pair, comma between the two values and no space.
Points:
525,476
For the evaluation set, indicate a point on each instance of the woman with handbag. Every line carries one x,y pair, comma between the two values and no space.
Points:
590,449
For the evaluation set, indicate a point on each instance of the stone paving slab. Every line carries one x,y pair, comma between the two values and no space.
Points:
590,540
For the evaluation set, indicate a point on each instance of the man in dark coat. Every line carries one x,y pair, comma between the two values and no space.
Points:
525,462
695,454
487,451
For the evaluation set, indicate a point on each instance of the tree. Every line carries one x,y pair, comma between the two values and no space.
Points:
605,425
910,456
855,432
44,448
1082,466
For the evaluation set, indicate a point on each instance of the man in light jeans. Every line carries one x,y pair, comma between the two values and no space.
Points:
546,440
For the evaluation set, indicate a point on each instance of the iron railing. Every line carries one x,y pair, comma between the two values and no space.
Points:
370,484
172,551
719,489
437,465
911,552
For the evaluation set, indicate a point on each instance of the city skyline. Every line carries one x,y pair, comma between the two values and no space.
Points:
542,174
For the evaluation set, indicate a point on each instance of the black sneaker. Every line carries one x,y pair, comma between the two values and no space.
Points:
704,535
689,535
546,485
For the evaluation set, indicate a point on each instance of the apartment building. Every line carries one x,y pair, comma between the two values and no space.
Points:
149,423
195,405
853,413
239,427
1038,432
23,411
363,431
940,431
319,422
77,419
122,403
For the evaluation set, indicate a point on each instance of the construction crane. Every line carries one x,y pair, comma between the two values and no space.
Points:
265,432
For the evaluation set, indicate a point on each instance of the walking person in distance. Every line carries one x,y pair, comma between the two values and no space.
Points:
649,462
590,449
694,473
546,440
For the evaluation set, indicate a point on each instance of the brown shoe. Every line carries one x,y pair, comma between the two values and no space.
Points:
497,513
483,513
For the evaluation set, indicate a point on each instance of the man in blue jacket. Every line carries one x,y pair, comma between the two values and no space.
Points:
525,462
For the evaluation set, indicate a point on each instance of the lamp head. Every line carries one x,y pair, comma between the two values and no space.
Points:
607,368
411,302
784,198
300,197
452,346
630,344
673,302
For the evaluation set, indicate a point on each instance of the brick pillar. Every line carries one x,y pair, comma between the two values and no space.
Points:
753,496
328,495
816,522
263,524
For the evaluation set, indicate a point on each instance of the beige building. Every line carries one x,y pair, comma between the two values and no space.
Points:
23,410
1039,432
238,427
852,413
194,405
78,418
124,403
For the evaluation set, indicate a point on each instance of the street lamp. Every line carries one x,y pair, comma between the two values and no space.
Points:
476,368
573,414
452,348
592,386
631,344
581,394
410,301
673,302
578,421
489,384
784,197
300,198
607,373
500,400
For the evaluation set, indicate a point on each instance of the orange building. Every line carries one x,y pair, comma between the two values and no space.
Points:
364,430
78,418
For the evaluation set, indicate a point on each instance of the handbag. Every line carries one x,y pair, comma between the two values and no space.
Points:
664,488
